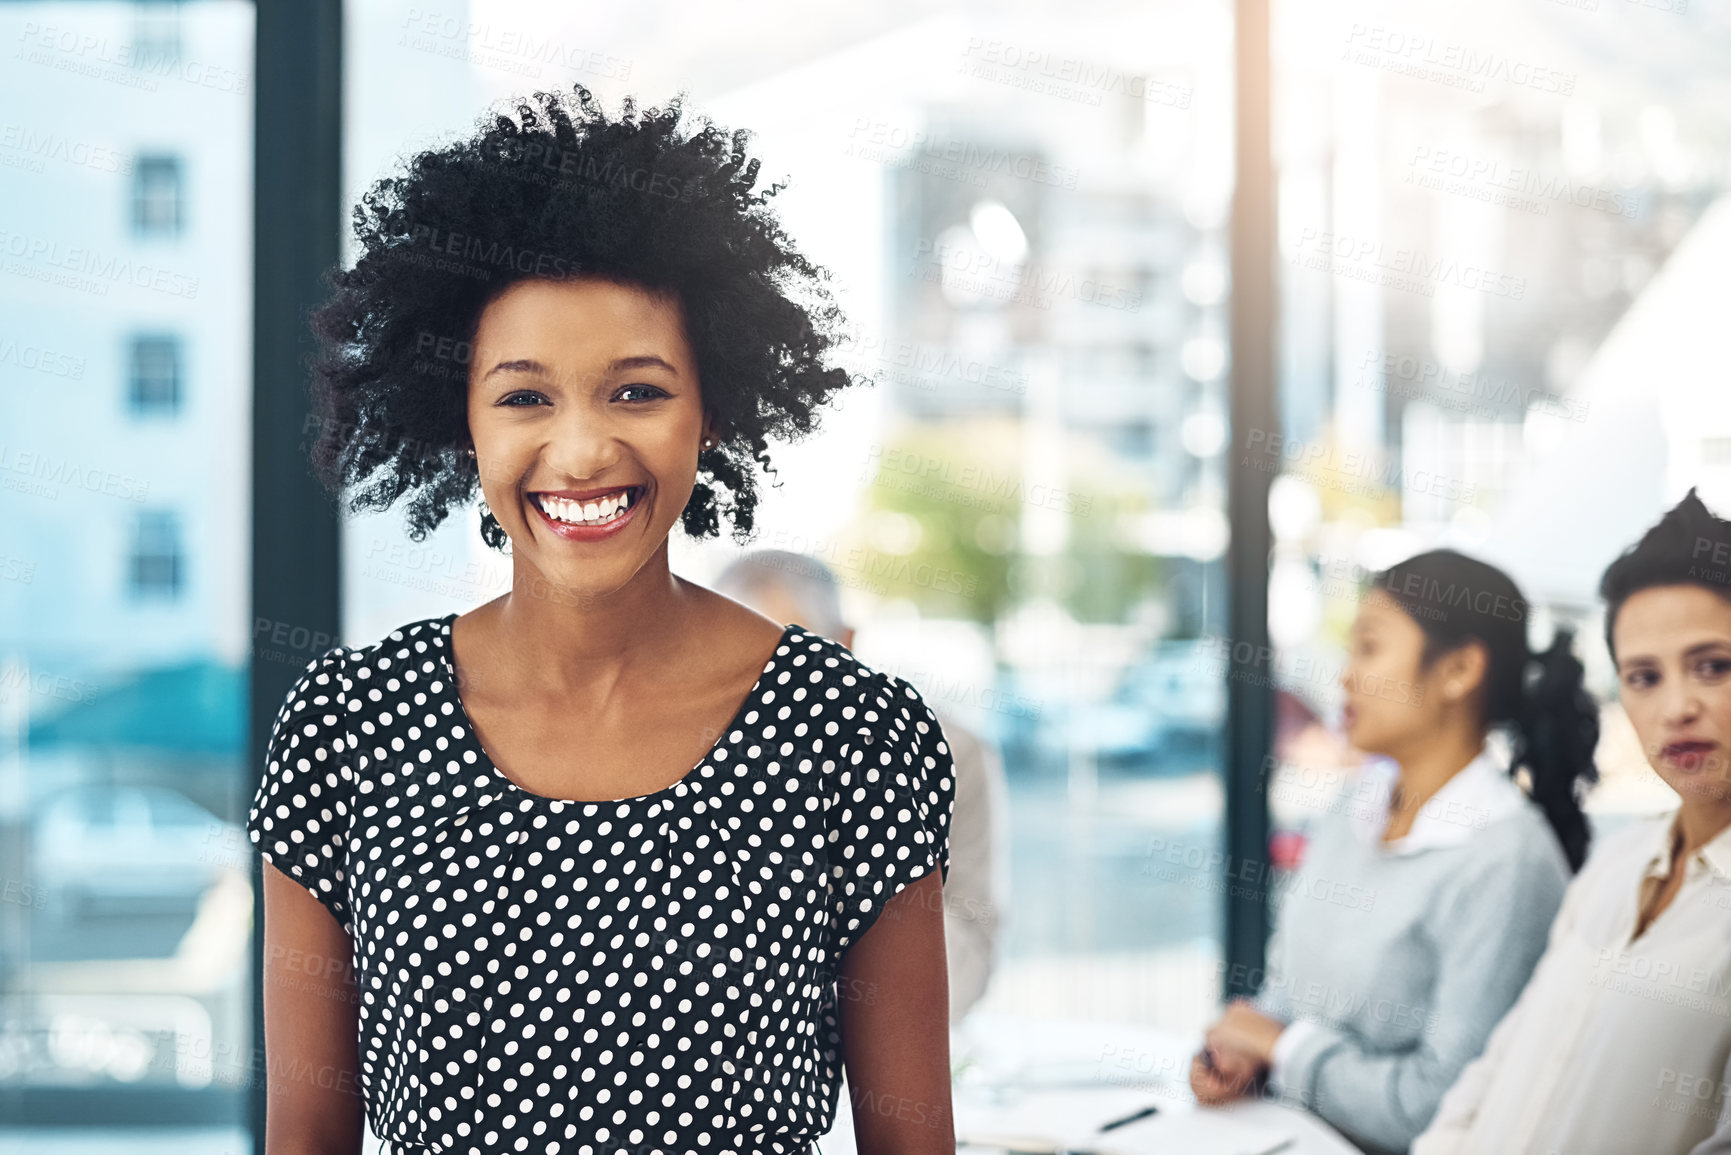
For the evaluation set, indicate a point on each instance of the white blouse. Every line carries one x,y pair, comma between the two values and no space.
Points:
1614,1046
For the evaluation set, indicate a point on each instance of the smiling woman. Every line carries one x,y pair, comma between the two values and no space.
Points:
611,862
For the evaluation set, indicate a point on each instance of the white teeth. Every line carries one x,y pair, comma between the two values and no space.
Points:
586,513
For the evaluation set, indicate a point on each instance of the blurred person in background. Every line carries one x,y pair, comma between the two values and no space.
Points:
1429,885
1621,1041
791,587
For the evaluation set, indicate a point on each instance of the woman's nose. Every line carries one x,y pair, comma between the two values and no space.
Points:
582,443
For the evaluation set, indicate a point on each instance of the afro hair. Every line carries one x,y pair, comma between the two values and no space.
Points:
557,190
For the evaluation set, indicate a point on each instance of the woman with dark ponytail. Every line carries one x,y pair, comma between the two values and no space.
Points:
1428,886
1552,721
1622,1040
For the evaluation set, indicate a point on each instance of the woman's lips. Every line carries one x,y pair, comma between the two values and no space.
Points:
1690,755
573,532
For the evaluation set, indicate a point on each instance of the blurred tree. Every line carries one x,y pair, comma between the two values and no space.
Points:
946,509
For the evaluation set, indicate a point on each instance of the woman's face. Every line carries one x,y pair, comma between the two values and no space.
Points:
584,389
1391,703
1673,648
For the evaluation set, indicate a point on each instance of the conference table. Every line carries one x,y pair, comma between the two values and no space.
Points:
1024,1084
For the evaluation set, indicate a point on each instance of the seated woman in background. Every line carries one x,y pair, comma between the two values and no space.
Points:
1429,885
1621,1040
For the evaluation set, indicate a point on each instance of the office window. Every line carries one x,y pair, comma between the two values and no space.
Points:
156,34
156,196
125,977
157,562
154,374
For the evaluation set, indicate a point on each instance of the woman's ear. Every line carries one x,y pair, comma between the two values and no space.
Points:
1463,670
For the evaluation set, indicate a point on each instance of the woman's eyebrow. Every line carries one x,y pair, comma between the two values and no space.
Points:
519,366
642,361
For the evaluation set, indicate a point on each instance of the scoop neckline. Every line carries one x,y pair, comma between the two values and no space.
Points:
745,707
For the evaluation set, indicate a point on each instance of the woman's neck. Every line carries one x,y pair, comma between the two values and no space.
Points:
1701,820
1428,765
563,639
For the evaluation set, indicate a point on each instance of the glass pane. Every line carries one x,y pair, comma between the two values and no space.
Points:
125,191
1500,231
1480,222
1027,218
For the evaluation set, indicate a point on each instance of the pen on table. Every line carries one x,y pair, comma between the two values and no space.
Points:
1131,1118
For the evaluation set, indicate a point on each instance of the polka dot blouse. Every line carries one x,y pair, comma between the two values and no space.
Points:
651,974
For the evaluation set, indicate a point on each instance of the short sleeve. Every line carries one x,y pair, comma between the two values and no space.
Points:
890,821
301,813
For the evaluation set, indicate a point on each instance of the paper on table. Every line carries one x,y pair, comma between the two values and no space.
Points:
1058,1120
1046,1119
1192,1132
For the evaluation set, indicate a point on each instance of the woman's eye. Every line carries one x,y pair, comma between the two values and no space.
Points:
512,399
652,392
1639,679
1712,669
